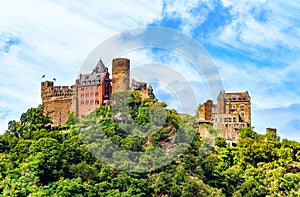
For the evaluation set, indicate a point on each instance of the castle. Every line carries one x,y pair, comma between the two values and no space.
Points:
90,91
231,113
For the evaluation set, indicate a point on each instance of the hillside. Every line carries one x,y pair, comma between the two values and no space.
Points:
140,148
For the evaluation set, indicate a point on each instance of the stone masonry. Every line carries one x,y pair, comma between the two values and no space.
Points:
231,113
57,101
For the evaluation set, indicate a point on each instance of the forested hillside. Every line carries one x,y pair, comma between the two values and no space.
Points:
77,159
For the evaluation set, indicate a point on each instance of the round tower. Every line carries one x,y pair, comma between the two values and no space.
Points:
120,74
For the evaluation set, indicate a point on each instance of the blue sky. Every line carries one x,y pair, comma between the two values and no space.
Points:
255,45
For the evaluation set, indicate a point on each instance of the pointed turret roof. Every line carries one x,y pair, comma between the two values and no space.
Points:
100,68
222,94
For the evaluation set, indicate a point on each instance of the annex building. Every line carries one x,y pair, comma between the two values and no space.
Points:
231,113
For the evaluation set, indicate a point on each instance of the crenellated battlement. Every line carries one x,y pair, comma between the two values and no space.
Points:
48,90
57,100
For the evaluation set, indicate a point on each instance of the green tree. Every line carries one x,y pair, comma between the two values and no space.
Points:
72,119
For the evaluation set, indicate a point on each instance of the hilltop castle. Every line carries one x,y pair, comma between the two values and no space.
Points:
90,91
231,113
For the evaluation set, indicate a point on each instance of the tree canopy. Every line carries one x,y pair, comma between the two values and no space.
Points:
38,161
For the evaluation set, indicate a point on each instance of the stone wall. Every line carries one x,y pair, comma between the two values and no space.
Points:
205,111
59,109
57,101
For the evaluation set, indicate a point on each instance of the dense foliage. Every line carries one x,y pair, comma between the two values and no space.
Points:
38,161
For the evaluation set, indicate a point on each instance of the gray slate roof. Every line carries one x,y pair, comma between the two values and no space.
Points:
95,77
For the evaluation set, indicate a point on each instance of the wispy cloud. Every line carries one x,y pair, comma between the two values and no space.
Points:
53,38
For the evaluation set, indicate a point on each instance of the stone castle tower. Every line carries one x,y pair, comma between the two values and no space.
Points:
120,75
57,101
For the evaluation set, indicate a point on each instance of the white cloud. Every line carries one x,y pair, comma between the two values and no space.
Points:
54,38
183,10
261,23
268,86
